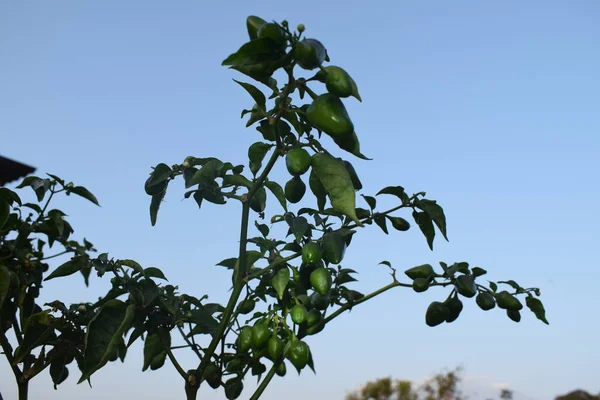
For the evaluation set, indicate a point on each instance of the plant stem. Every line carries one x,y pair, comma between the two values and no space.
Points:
8,353
176,364
369,219
263,385
271,266
23,390
242,269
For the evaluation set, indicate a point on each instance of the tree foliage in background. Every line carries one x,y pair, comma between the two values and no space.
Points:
289,275
443,386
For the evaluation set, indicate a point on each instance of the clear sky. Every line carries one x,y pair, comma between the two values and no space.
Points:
492,108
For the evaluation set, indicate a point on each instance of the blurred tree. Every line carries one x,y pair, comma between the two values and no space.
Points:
506,394
578,395
443,386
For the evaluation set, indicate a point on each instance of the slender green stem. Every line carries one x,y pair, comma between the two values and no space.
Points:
176,364
372,217
263,385
242,268
55,255
271,266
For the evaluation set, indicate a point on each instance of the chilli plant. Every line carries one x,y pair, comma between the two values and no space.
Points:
287,279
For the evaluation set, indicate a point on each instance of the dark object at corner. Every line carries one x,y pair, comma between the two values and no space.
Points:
11,170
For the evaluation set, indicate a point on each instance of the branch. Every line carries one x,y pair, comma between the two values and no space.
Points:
7,349
191,344
271,266
372,217
265,382
176,364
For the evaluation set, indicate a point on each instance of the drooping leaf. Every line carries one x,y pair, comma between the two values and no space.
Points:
536,307
256,153
337,183
155,205
371,201
256,94
381,222
426,225
155,349
86,194
100,332
478,271
317,189
278,192
10,196
280,281
262,228
436,213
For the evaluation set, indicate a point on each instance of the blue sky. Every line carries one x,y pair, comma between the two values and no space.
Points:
492,108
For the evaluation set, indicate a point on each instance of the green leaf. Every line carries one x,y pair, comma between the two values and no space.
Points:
155,205
100,332
393,190
117,338
134,265
212,169
253,52
153,272
39,330
436,213
512,284
236,180
256,94
86,194
228,263
4,212
58,371
337,183
493,286
4,283
258,203
478,271
262,228
10,196
256,153
39,186
34,207
277,191
280,281
371,201
426,225
155,349
381,222
536,307
389,264
70,267
300,228
149,291
317,189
